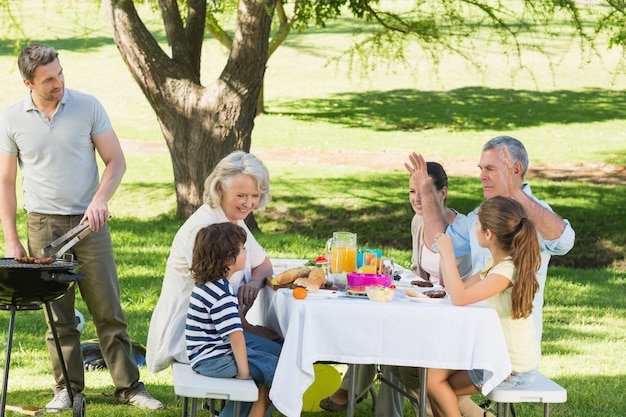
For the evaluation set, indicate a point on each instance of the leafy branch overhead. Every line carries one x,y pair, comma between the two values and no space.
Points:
389,28
202,123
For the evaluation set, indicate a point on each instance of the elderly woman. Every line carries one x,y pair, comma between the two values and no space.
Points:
238,185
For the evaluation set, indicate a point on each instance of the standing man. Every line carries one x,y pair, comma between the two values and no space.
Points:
503,165
52,134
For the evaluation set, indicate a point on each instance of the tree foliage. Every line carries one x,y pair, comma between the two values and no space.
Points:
440,27
202,123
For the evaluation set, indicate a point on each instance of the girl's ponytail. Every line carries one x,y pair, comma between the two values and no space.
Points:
527,259
517,236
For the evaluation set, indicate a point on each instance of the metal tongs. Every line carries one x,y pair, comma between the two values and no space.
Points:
68,240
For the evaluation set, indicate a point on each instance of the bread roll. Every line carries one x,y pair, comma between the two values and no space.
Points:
310,286
288,276
318,276
414,294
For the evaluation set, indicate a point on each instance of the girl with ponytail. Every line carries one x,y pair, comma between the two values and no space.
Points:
507,283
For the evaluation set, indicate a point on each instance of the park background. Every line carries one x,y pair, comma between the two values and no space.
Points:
334,140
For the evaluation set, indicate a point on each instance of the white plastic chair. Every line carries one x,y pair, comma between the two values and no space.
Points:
543,390
189,384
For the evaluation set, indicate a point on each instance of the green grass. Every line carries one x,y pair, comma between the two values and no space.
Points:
572,114
585,321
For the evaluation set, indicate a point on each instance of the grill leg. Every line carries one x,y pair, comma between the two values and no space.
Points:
53,328
7,361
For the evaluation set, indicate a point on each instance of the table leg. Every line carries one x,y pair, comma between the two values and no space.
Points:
423,375
351,389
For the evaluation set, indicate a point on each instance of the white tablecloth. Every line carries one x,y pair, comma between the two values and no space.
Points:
258,312
359,331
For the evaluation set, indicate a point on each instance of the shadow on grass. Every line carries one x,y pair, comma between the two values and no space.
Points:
100,401
8,46
385,222
463,109
586,396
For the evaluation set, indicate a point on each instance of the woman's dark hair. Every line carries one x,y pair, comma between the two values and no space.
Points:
215,251
517,236
438,174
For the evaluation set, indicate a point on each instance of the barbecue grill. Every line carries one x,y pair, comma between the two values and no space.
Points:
26,286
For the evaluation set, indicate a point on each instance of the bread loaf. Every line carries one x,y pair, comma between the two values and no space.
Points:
318,276
290,275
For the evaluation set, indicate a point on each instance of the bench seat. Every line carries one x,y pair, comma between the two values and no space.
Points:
543,390
191,385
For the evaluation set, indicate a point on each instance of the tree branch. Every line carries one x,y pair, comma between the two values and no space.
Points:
196,18
176,36
214,28
284,27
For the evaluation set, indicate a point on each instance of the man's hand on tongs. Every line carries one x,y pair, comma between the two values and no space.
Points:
97,214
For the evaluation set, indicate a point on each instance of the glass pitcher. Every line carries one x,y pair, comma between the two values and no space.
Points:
341,249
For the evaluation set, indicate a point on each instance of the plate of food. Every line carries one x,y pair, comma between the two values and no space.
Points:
380,293
323,294
357,291
429,296
311,277
418,283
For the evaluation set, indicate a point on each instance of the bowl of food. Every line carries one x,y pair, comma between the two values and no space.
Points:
379,293
357,279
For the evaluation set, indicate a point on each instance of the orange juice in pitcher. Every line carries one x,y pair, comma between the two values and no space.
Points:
343,259
342,251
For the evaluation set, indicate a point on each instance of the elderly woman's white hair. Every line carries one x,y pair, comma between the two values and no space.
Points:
238,162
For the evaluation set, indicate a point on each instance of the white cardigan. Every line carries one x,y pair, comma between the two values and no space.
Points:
166,336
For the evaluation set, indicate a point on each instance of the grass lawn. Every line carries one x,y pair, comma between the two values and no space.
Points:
574,114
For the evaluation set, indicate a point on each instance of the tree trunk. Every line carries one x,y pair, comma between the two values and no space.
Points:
200,124
260,103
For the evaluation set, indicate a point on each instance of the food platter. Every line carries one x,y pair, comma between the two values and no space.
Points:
421,295
324,294
357,292
407,282
444,300
360,292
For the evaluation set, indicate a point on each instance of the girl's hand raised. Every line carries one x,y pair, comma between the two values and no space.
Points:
443,245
